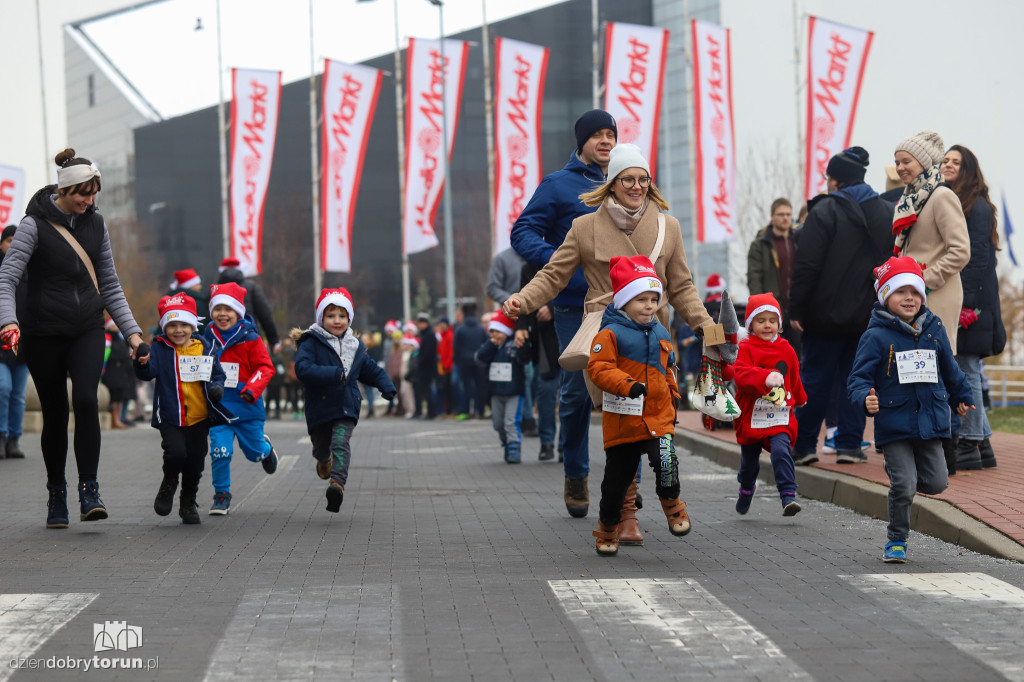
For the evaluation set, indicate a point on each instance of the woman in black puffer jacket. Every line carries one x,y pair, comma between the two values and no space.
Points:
981,331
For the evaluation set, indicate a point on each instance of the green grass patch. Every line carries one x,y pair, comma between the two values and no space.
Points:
1008,419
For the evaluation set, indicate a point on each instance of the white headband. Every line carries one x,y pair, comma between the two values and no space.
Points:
75,175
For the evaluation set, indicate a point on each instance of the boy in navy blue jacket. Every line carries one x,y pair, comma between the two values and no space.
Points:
906,377
189,386
330,361
507,381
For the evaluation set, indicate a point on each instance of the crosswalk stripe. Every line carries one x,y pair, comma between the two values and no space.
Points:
978,614
629,623
28,620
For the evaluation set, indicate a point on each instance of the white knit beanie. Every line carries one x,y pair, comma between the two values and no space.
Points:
625,156
926,146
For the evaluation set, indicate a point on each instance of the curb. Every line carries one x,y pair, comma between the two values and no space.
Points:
927,515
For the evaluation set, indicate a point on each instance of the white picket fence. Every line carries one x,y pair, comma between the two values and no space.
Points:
1005,384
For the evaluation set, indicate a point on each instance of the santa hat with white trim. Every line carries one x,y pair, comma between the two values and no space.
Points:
391,326
632,277
761,303
184,279
899,272
715,284
410,327
229,263
230,294
339,297
501,322
177,308
411,340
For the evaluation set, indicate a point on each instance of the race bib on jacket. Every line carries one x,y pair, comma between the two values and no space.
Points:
917,367
623,405
500,371
195,367
231,370
767,415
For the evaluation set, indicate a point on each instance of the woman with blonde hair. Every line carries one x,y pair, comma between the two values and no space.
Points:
630,221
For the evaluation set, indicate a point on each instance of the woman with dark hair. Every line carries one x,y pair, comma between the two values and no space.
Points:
981,331
62,250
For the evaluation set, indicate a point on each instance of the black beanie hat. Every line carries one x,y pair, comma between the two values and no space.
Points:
591,122
848,166
8,232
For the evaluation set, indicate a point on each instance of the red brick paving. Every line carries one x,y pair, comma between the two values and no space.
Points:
994,496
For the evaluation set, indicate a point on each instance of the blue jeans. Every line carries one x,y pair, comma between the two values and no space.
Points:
12,398
222,446
828,358
973,426
528,397
914,466
574,404
782,464
474,387
545,390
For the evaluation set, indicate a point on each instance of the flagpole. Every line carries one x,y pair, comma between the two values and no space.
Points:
690,47
223,130
595,29
796,90
449,238
400,119
314,157
489,123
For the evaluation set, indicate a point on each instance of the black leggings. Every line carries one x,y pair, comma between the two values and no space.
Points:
51,360
620,470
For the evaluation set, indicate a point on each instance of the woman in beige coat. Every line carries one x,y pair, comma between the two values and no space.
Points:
930,227
625,224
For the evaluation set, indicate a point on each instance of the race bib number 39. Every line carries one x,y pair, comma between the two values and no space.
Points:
195,367
622,405
500,371
917,367
766,415
231,370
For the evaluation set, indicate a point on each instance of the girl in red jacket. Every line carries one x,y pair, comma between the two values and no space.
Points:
767,375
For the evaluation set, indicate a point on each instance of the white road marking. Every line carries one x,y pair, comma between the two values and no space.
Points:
28,620
628,623
978,614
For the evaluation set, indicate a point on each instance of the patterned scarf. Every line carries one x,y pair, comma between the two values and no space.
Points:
910,204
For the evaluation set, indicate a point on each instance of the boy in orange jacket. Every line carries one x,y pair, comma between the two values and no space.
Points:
632,361
768,387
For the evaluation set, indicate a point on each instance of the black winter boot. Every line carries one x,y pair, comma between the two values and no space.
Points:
57,506
187,509
949,454
92,506
988,455
165,495
11,449
968,457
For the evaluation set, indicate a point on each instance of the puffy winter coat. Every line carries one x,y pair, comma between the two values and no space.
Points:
242,346
986,336
331,392
625,352
488,355
168,401
755,360
911,410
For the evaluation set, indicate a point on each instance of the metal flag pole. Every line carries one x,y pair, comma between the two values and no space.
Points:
314,137
489,123
796,89
400,119
595,29
690,47
223,128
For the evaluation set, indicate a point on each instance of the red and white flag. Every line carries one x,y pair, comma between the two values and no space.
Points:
424,165
12,194
713,129
519,72
349,100
255,101
634,72
836,56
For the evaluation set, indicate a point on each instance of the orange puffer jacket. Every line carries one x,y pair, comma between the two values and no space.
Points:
625,352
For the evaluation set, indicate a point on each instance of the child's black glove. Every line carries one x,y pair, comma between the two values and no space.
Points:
388,396
142,350
216,392
637,390
248,397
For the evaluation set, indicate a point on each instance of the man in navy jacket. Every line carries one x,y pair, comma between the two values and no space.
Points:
540,229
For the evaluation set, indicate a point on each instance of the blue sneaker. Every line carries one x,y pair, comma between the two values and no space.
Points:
221,504
829,448
744,500
895,552
790,507
270,461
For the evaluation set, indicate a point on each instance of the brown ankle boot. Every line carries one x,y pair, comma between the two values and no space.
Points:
607,543
678,520
629,528
577,496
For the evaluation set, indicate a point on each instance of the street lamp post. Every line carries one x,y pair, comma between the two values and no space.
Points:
449,238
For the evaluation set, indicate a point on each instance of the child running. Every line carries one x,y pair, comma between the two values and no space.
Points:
905,376
506,378
768,386
246,362
632,361
330,361
189,386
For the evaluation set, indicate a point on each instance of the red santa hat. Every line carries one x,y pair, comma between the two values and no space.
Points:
178,308
899,272
391,326
501,322
183,279
411,340
760,303
229,263
339,297
632,277
715,284
410,327
230,294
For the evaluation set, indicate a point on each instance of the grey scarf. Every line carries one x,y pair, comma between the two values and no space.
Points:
624,218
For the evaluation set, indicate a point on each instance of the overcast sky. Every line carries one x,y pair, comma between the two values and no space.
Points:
945,65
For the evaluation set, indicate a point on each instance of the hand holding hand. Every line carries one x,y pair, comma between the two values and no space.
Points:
637,390
871,402
774,380
521,337
512,307
215,391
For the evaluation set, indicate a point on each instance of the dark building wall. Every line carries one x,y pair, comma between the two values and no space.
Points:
177,163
